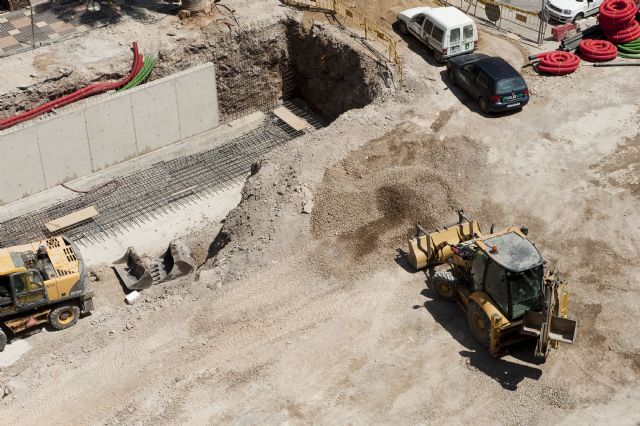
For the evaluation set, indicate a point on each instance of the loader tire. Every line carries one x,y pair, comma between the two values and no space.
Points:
478,323
3,340
64,316
444,283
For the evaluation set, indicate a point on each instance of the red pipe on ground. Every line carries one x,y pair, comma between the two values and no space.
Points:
597,50
92,89
557,62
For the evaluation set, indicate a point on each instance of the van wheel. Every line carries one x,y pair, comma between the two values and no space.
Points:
578,17
452,77
438,57
3,340
402,28
64,316
478,323
484,106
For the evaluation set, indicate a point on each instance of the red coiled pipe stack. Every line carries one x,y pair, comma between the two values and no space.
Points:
597,50
617,20
557,62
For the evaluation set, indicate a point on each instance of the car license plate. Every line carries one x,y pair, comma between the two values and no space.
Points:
513,105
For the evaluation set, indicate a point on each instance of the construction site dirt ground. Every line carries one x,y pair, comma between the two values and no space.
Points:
315,318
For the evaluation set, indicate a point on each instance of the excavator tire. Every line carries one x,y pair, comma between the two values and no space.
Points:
478,323
444,283
64,316
3,340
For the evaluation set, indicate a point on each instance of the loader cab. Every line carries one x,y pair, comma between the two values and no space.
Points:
509,269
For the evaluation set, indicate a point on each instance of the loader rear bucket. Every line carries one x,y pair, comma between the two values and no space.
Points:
174,263
562,329
133,273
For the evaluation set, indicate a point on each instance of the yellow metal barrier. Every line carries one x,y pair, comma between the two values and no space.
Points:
372,31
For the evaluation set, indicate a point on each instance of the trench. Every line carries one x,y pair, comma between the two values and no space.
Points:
305,68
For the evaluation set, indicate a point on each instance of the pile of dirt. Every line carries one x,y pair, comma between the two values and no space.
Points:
369,203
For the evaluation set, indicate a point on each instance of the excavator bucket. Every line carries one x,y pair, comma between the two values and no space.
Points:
132,271
560,329
174,263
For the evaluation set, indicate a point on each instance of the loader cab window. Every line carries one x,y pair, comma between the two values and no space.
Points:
28,288
526,288
477,270
6,298
495,285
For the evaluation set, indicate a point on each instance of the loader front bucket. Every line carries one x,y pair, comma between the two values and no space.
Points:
560,329
132,271
174,263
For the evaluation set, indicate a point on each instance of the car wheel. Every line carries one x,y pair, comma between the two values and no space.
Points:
578,17
402,28
484,106
452,77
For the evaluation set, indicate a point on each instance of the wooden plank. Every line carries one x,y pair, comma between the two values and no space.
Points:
284,114
71,219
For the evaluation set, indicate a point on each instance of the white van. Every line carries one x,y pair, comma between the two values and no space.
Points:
446,30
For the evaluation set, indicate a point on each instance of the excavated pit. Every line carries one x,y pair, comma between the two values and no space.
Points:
256,69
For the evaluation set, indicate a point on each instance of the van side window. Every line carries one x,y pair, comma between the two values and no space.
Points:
467,32
482,80
454,35
428,25
437,34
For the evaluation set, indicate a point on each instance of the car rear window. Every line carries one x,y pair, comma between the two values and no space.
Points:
437,34
467,32
454,35
510,85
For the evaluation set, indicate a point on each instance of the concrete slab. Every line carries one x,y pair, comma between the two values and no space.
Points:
112,136
64,148
197,100
20,165
155,113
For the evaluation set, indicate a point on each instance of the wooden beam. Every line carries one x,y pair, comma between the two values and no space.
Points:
71,219
297,123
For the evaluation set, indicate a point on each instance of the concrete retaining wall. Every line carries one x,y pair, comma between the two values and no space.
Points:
107,130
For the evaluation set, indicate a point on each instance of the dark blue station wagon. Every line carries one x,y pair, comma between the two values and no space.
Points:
491,81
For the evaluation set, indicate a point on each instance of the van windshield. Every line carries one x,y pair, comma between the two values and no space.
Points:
510,85
467,32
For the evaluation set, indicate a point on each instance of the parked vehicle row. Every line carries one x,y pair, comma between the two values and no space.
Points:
452,36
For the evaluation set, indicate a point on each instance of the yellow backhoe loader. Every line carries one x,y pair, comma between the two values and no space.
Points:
499,281
43,282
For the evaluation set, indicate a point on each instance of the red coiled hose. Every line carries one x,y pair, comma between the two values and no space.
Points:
597,50
92,89
557,62
617,20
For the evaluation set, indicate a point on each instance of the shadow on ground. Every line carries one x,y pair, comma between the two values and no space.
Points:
507,373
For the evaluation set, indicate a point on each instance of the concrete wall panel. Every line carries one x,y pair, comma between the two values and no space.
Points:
20,167
64,148
112,137
198,113
155,113
100,132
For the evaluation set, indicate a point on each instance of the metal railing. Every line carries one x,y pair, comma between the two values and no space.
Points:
527,24
372,31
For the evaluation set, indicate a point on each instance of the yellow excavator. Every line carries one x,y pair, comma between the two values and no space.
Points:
42,282
500,282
